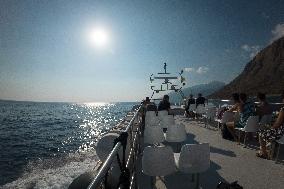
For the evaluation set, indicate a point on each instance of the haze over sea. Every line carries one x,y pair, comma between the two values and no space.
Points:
47,145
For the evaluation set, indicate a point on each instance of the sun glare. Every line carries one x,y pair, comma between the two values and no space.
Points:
99,37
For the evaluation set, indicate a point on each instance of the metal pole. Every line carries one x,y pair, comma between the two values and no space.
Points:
104,169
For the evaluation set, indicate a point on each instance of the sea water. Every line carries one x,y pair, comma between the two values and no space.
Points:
47,145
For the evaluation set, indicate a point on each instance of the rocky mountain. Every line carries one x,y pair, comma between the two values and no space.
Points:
204,89
264,73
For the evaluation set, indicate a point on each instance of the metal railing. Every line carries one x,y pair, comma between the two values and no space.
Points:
129,162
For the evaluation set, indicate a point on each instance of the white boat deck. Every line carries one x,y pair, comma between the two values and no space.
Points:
229,162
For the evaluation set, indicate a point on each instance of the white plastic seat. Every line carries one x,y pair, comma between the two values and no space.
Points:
151,120
153,135
194,159
151,113
167,121
210,114
163,113
251,126
227,117
280,142
192,107
200,109
209,105
158,161
176,133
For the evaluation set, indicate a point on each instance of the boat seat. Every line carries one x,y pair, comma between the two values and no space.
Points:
194,159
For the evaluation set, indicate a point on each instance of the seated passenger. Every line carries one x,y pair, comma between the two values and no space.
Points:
165,103
200,100
143,109
190,102
264,107
246,110
271,134
149,106
237,103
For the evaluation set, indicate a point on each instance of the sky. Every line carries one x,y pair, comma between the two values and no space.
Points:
47,54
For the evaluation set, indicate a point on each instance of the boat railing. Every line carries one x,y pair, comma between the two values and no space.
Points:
128,141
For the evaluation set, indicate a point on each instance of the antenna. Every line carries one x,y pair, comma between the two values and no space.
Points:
171,82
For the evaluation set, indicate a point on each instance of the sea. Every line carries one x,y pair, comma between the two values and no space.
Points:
47,145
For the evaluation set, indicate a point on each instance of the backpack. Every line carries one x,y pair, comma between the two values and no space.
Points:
226,133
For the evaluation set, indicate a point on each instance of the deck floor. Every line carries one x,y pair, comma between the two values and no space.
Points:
229,162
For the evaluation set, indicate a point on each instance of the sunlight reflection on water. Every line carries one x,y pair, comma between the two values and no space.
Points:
50,132
96,119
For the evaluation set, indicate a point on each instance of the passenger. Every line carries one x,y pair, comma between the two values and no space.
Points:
246,110
200,100
165,103
264,108
150,106
237,103
142,112
190,102
144,108
147,100
271,134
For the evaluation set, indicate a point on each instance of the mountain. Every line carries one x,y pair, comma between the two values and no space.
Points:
264,73
204,89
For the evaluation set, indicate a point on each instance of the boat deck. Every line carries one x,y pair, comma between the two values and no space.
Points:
229,162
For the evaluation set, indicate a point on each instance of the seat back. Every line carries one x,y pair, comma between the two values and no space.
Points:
211,112
252,124
192,107
266,119
163,113
151,119
158,161
194,158
151,114
227,117
176,133
200,109
167,121
153,135
210,105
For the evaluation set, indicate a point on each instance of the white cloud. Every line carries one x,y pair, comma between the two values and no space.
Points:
202,70
189,69
245,47
251,50
277,32
199,70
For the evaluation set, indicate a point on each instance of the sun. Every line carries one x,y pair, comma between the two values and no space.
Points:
99,37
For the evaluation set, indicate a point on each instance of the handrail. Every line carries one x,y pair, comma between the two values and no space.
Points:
104,169
107,164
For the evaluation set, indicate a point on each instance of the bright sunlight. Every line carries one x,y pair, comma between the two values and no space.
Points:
99,37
